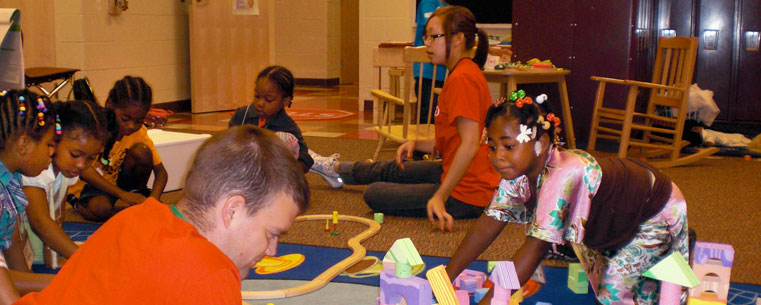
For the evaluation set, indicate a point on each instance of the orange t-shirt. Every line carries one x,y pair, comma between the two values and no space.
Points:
144,255
465,94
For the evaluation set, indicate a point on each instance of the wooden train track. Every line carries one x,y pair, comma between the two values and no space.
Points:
328,275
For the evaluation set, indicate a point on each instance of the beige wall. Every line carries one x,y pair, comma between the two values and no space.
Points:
38,28
150,40
307,37
380,20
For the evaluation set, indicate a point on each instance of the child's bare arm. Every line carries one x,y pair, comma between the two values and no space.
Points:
479,237
27,282
529,256
160,177
46,228
14,256
8,292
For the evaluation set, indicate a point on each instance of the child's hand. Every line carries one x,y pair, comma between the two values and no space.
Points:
132,198
437,208
404,152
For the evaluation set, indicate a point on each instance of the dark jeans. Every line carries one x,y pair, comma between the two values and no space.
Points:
425,96
405,192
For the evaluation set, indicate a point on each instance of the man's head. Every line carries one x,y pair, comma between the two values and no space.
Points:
242,191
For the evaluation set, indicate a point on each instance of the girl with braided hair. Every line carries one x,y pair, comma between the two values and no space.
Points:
81,133
26,143
621,216
128,157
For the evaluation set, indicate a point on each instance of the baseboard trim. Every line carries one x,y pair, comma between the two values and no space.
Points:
321,82
176,106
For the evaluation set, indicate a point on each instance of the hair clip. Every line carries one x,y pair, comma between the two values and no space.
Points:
541,98
21,105
553,118
499,101
525,135
2,93
105,161
515,95
58,125
523,101
544,123
40,119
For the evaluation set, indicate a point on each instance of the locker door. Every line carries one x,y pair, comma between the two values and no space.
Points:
748,102
714,63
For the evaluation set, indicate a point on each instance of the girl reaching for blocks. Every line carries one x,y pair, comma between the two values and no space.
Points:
128,158
621,216
81,133
26,143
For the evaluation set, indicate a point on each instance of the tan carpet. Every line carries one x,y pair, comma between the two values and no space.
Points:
723,197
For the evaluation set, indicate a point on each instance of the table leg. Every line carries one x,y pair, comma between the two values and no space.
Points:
566,113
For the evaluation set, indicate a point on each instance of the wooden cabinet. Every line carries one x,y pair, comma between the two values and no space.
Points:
618,38
589,37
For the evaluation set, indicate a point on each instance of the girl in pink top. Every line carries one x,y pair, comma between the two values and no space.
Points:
621,216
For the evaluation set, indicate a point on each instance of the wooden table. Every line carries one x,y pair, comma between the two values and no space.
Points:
510,78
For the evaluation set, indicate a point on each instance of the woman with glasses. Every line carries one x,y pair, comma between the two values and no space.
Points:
461,184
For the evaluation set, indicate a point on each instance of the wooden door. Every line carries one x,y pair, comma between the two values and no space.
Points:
349,41
227,51
748,99
714,63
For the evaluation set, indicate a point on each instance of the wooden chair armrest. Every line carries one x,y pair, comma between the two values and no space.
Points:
383,95
627,82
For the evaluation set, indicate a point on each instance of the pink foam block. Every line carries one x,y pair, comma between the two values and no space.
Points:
462,297
670,294
471,274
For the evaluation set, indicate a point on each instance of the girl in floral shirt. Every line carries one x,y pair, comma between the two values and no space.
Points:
621,216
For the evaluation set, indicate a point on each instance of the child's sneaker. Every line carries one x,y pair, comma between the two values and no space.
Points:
323,166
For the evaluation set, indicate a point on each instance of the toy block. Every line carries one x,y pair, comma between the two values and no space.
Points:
500,296
403,251
479,276
378,217
700,301
517,296
673,269
504,275
403,270
538,275
578,288
442,286
480,293
470,285
705,251
712,264
542,303
490,266
462,297
414,290
576,271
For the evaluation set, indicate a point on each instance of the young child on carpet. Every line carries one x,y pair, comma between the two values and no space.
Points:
123,170
621,216
26,143
80,135
461,184
272,93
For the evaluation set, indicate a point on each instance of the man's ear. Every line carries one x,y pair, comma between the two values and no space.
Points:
231,206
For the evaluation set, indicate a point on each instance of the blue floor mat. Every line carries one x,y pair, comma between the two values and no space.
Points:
319,259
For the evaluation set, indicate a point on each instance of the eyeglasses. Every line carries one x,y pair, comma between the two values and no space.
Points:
432,37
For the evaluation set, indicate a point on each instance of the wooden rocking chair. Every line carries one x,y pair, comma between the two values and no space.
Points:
407,129
658,130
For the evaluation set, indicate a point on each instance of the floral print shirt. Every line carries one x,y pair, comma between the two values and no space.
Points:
564,190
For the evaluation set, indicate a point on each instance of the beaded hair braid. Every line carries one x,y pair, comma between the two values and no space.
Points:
23,112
